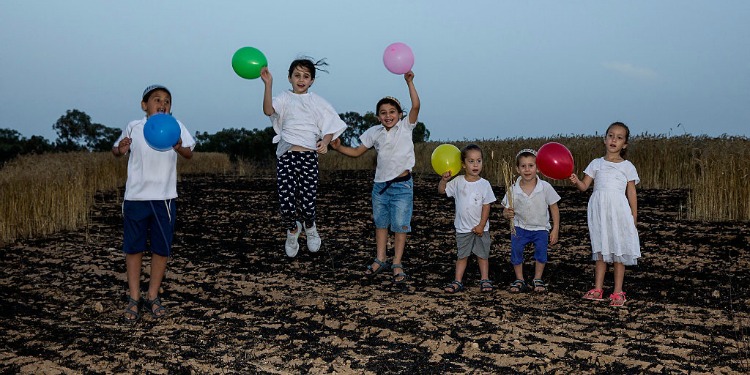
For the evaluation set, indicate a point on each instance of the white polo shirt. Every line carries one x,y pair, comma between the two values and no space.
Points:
152,175
395,148
532,211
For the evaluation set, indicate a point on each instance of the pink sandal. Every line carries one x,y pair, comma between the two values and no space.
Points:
617,299
594,295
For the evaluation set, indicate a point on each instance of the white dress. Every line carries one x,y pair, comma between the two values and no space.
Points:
611,226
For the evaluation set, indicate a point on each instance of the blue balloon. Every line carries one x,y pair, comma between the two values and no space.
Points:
161,131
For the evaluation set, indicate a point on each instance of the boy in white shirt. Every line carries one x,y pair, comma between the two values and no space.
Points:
149,208
473,195
533,201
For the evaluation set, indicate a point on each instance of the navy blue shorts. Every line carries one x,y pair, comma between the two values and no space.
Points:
539,238
148,220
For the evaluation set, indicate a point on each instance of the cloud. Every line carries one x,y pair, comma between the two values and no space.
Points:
631,70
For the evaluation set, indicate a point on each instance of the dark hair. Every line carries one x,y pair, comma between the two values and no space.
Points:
624,150
147,96
309,64
389,100
469,147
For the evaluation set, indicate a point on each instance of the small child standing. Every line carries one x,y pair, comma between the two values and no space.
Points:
305,124
473,195
149,208
393,190
612,213
533,201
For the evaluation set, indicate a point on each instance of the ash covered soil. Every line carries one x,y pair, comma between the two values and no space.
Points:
237,304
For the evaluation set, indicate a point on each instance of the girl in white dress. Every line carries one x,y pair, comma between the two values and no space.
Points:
612,213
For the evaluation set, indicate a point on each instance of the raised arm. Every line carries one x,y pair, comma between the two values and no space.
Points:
415,104
267,78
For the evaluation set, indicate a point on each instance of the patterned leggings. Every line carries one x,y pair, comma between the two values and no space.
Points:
297,185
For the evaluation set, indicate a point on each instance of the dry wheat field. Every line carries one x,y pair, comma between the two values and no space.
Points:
236,304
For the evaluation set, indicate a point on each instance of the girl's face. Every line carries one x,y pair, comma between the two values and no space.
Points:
159,102
388,115
472,163
616,139
527,168
301,80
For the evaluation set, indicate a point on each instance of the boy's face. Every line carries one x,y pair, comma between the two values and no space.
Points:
301,80
472,163
527,168
159,102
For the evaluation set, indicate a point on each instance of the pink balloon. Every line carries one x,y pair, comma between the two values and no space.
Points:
398,58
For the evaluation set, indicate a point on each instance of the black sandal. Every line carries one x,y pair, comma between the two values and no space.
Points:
370,272
399,277
518,286
130,314
159,311
454,287
539,286
486,286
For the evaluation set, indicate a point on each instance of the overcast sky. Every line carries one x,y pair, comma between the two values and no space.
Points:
484,69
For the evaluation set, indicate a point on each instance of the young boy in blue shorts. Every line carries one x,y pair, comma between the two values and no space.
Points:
149,208
533,201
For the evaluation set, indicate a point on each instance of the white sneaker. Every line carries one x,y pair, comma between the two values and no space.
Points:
313,239
292,246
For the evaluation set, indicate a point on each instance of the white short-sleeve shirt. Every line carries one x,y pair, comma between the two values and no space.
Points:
152,174
303,119
395,148
532,211
470,197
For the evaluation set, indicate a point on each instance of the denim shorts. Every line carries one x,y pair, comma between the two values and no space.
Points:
151,221
393,208
523,237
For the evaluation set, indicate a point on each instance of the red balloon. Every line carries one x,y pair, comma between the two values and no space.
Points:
555,161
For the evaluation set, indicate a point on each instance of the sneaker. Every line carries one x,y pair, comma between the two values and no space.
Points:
313,239
292,246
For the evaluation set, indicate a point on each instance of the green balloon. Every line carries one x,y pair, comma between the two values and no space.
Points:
248,61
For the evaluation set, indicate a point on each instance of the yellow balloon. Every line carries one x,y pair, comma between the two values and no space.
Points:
446,157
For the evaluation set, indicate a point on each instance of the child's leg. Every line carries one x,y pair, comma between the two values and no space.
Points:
461,269
398,247
484,268
307,186
619,276
381,243
158,269
601,270
518,270
133,264
538,270
286,187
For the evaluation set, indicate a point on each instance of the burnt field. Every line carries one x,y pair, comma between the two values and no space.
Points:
237,304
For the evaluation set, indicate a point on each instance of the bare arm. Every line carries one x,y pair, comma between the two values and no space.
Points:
555,233
479,229
185,152
632,200
581,185
346,150
443,182
122,148
267,78
415,104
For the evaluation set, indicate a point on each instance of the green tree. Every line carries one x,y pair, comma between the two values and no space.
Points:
76,132
251,145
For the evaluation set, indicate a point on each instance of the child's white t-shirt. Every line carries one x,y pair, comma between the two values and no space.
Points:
470,197
532,211
395,148
303,119
152,174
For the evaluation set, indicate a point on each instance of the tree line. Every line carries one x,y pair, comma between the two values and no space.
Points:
76,132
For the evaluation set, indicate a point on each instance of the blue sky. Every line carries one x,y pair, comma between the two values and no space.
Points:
484,69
